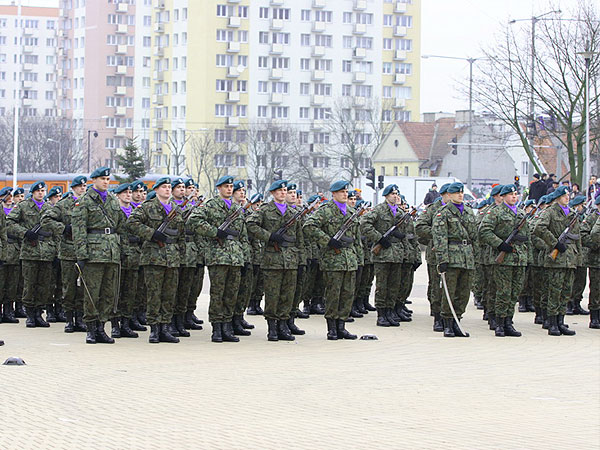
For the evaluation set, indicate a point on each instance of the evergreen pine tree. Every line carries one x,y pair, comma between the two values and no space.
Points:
131,162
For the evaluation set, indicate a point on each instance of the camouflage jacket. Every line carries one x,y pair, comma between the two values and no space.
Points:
189,245
496,226
91,213
548,228
484,254
268,220
412,251
144,221
13,246
131,247
23,217
56,219
3,240
321,226
423,230
453,236
205,222
590,238
375,223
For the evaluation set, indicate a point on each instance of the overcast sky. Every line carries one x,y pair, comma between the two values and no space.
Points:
451,28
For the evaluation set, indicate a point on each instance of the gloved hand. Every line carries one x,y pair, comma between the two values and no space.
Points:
159,237
334,243
385,242
277,237
416,265
504,247
31,236
347,240
442,268
222,234
68,231
81,263
398,234
560,247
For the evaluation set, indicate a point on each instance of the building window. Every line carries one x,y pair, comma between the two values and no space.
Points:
395,171
305,15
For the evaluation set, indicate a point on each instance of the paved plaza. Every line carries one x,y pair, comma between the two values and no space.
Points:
412,388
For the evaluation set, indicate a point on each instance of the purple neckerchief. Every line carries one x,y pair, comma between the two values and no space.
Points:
127,210
341,206
512,208
102,194
394,209
459,206
38,204
442,201
73,197
227,202
167,206
7,210
179,202
292,206
565,209
134,204
282,208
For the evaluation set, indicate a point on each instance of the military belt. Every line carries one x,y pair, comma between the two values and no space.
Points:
463,242
107,230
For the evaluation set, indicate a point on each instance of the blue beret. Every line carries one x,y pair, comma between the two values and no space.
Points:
145,187
137,184
239,184
496,190
277,185
292,186
482,204
225,179
189,182
597,201
312,198
543,200
122,187
65,195
338,185
456,187
352,193
389,189
19,191
177,182
100,172
403,198
577,201
256,198
5,191
55,190
444,188
37,185
560,191
161,181
151,195
508,188
79,180
360,202
439,199
299,191
529,202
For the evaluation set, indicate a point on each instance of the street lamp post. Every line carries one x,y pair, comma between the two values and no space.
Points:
59,152
587,55
89,155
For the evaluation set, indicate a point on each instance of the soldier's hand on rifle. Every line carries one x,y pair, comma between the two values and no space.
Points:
398,234
277,237
560,247
442,268
334,243
347,240
159,236
222,234
504,247
31,236
385,242
81,264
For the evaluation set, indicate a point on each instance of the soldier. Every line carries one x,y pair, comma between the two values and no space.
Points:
3,193
54,309
292,201
18,195
339,258
355,312
15,289
138,196
538,248
314,276
58,220
363,289
160,257
454,230
8,312
495,228
580,277
95,221
526,297
281,257
190,191
590,232
37,253
423,230
411,262
559,272
137,193
257,248
224,256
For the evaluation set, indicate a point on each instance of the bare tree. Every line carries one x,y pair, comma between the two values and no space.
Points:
177,145
203,163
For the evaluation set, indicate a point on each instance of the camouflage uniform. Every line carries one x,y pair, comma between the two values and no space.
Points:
188,269
487,257
245,289
538,247
3,253
423,230
257,288
590,235
412,260
579,281
130,266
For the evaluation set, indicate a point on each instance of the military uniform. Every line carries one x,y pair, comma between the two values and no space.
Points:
7,270
590,232
580,276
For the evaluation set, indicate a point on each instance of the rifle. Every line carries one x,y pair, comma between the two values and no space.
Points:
35,230
163,226
188,213
296,217
566,236
231,217
347,224
377,247
513,234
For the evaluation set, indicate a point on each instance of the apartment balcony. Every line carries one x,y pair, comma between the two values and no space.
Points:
399,103
318,27
276,49
27,31
158,99
276,74
276,24
276,2
233,1
27,85
28,67
276,98
233,97
359,101
121,70
233,47
400,31
399,78
158,123
319,3
121,7
232,72
234,22
159,75
27,49
400,55
233,122
317,100
360,28
400,7
359,53
121,49
120,111
160,4
317,124
360,5
27,102
318,51
120,132
121,90
318,75
61,73
121,28
159,28
359,77
60,92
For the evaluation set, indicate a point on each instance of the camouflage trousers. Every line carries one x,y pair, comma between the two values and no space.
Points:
280,287
408,277
3,283
244,293
357,279
339,290
140,292
224,285
312,272
101,282
594,300
258,286
489,287
434,292
579,282
55,292
459,288
558,284
388,279
477,282
12,273
318,288
366,281
161,289
509,283
300,282
37,285
196,288
184,287
72,292
527,289
129,282
537,285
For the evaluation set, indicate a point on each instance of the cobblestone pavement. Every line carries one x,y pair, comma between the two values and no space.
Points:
410,389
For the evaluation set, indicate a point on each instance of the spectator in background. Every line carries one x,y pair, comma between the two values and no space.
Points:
537,188
550,181
575,191
594,187
431,195
552,187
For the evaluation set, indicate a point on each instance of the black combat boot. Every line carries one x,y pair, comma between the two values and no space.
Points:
393,315
553,326
60,313
189,323
164,334
564,328
595,319
126,330
39,320
306,308
331,330
478,303
141,314
529,303
50,316
485,316
300,314
227,333
382,320
403,316
246,325
499,332
101,336
135,324
354,311
79,324
238,329
545,319
90,338
1,343
457,331
251,311
319,307
360,305
406,310
492,320
115,329
20,310
448,327
180,326
570,311
195,319
259,310
8,314
154,332
272,330
69,326
509,329
538,320
30,322
578,309
342,333
367,305
438,323
522,304
216,332
390,317
293,327
172,327
283,332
